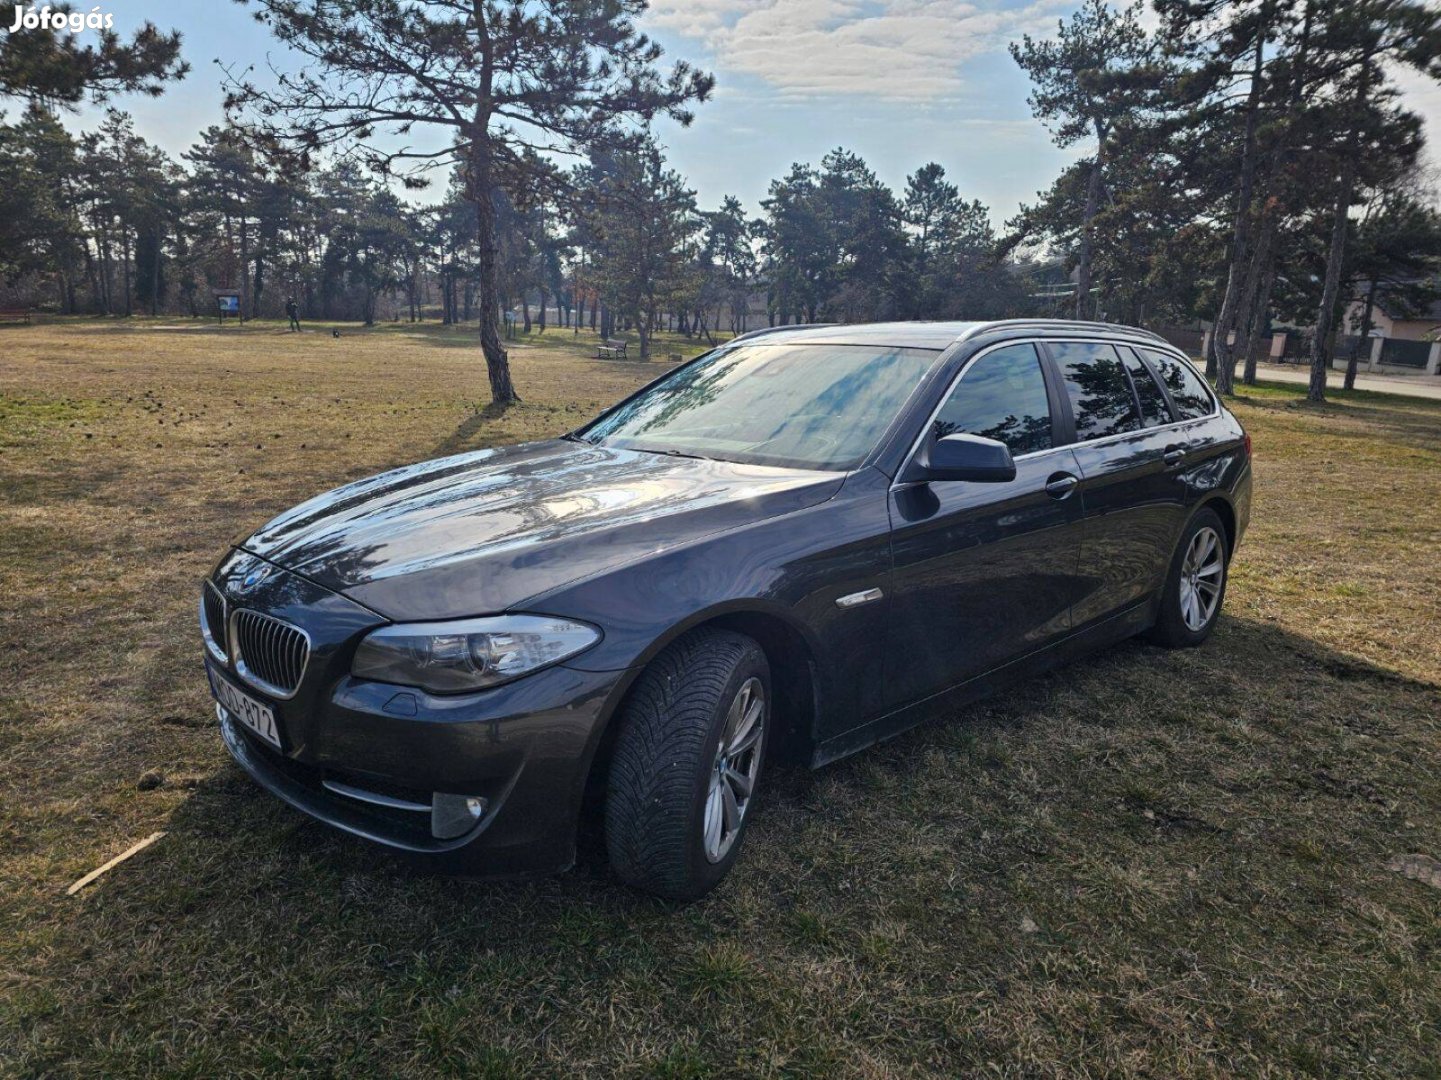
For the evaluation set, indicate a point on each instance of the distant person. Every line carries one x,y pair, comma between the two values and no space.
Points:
292,312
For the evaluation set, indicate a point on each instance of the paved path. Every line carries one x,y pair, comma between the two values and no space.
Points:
1423,386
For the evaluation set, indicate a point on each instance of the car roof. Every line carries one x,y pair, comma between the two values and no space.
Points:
933,335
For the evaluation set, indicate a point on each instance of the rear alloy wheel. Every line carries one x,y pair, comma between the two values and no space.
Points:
1195,585
1202,573
686,765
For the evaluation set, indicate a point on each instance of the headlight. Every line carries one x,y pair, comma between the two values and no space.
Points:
468,654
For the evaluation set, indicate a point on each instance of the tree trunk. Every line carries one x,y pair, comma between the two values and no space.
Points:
93,276
1258,319
701,327
1083,260
525,309
1221,361
1325,316
1365,335
125,266
497,360
244,272
1336,257
155,276
1247,316
541,322
642,328
259,289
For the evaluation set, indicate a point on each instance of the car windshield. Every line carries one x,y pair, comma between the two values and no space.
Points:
801,406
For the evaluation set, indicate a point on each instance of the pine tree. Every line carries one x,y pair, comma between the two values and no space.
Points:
1081,90
500,77
60,69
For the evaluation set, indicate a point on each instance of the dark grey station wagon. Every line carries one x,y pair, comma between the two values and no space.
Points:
802,542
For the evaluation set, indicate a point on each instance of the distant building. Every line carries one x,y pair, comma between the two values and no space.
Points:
1404,337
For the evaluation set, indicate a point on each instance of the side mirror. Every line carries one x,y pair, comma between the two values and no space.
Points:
964,457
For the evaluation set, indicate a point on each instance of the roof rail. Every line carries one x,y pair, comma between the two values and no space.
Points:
764,330
1059,324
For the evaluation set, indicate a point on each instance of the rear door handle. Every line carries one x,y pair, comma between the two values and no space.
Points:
1061,485
1173,456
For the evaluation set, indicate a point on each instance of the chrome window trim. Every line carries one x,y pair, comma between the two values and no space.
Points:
216,651
951,389
250,676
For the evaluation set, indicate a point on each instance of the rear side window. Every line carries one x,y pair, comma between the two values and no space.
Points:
1153,402
1097,387
1001,396
1187,389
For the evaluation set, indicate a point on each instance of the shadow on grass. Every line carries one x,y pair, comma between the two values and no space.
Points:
1189,825
460,439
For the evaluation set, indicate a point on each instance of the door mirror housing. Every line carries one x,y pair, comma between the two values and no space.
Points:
964,457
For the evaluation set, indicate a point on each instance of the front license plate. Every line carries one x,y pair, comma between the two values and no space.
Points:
256,715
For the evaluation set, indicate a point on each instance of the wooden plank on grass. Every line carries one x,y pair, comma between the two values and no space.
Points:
132,850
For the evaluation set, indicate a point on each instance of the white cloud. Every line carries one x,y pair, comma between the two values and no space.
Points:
898,50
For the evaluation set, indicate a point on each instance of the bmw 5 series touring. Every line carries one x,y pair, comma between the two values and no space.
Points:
800,543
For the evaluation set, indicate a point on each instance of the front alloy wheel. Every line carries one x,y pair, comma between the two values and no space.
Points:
737,764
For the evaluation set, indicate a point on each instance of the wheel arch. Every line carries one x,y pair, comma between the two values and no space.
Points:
1223,509
791,653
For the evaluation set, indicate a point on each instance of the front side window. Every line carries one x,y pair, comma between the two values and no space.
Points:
1148,392
1187,389
801,406
1001,396
1096,385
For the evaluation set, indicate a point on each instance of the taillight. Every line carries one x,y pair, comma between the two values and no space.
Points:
1248,445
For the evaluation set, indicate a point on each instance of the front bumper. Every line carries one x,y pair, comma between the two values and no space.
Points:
371,758
524,749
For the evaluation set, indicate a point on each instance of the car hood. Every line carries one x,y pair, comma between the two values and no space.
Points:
481,532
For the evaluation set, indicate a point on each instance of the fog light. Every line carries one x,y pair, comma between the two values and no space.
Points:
454,815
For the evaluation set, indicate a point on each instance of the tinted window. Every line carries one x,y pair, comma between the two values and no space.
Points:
1188,390
806,406
1153,402
1001,396
1096,384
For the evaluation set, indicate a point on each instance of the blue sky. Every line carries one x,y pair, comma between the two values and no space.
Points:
901,82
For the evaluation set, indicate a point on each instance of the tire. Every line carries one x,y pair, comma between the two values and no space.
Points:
1187,616
667,764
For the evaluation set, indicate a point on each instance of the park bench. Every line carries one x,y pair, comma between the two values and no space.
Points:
611,349
15,315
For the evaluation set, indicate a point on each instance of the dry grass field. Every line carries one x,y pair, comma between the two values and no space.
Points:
1158,864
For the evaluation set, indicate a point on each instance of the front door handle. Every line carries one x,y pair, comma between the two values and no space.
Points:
1061,484
1173,456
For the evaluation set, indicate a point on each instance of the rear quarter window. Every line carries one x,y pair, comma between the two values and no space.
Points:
1189,392
1148,392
